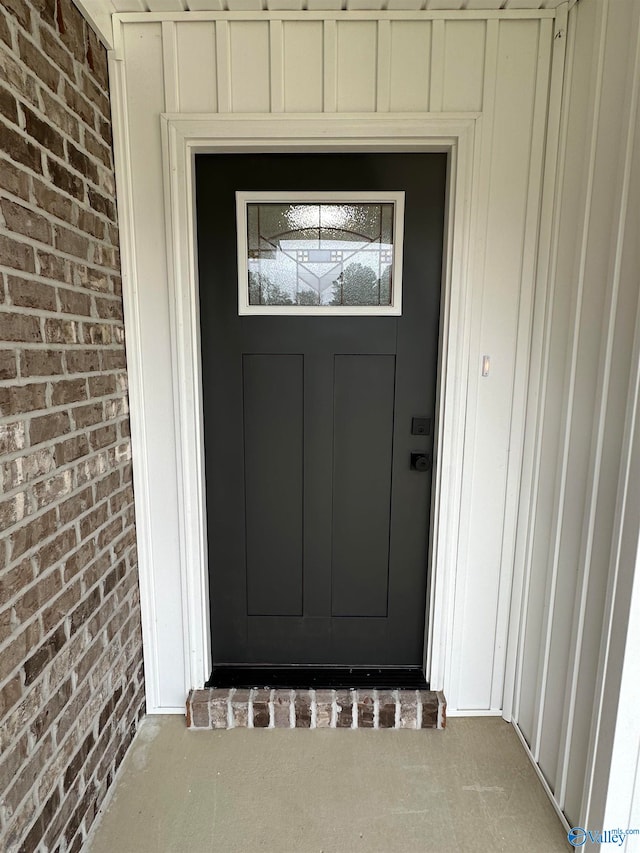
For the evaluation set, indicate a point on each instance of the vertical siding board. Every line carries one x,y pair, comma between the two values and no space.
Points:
620,73
569,501
357,60
223,66
303,66
569,211
276,60
383,93
539,361
330,66
523,342
170,67
464,44
436,76
485,129
508,165
410,66
250,81
145,101
197,61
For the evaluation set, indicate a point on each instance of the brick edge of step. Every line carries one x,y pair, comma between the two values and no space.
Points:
261,708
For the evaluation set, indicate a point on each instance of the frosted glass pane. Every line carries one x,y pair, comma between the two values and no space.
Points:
320,254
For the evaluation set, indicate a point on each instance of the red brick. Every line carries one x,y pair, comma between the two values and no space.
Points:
95,95
60,115
53,202
71,242
53,266
72,449
5,32
88,416
79,105
12,437
49,426
37,596
46,10
18,649
19,327
41,67
8,104
43,133
97,59
102,204
15,580
104,128
69,391
48,491
16,255
13,179
17,399
109,309
60,331
10,695
101,386
40,362
113,359
83,361
56,52
54,551
74,302
79,560
31,534
31,294
96,147
23,221
18,148
20,10
81,163
91,224
8,365
66,180
55,612
44,655
71,27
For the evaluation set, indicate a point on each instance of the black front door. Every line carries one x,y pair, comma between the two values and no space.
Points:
318,525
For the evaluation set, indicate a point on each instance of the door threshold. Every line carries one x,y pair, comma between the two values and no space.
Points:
318,677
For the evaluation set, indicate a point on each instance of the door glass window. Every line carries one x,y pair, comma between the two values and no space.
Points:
300,254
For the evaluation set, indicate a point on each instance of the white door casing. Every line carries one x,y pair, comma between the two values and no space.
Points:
183,137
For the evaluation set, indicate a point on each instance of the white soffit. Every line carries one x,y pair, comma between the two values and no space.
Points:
99,12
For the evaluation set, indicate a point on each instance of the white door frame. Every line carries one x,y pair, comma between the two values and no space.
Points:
183,136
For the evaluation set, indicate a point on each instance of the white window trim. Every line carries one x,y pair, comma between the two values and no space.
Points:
183,136
338,197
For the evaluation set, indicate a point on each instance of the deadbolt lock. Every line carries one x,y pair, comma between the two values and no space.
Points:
420,461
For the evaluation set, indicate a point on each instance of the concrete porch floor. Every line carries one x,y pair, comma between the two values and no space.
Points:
468,788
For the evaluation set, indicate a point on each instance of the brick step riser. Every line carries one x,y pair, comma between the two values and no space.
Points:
311,709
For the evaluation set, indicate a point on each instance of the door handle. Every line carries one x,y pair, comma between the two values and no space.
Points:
420,461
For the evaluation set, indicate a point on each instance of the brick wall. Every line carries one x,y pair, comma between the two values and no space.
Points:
70,646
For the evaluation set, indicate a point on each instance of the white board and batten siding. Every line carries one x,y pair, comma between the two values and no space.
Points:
576,694
495,66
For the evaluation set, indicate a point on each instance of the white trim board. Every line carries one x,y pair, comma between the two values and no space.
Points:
182,137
